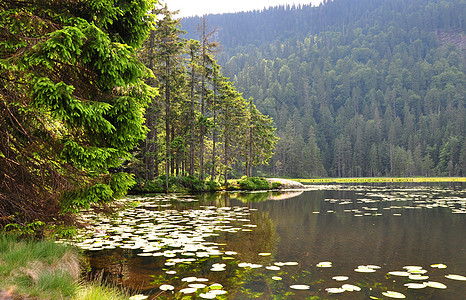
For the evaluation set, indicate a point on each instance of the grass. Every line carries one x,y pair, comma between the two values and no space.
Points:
45,270
95,291
381,180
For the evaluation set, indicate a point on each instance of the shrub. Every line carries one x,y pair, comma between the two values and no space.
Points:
276,185
212,185
191,183
254,183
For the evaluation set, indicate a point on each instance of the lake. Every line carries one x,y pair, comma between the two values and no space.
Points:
327,242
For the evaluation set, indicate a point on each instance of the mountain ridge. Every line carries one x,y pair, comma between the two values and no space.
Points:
356,88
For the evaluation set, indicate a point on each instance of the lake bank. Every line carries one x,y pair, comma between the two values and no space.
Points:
382,180
41,269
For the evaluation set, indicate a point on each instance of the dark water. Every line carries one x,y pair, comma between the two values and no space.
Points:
387,226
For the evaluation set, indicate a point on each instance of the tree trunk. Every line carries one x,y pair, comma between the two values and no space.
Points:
191,121
167,123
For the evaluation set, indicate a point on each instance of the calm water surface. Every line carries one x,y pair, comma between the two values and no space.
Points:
387,226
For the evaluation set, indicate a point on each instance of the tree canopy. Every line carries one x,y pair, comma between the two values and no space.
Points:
355,88
72,101
199,125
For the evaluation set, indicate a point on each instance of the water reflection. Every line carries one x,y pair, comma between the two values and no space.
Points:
389,227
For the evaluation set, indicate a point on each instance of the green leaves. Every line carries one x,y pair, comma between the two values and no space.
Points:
72,98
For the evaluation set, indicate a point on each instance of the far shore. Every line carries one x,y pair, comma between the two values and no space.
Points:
381,180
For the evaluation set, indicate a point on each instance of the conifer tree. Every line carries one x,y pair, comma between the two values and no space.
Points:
169,72
261,139
72,102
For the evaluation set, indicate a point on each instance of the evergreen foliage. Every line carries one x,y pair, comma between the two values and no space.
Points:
71,103
355,88
200,126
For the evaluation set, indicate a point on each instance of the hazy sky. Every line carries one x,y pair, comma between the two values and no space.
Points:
201,7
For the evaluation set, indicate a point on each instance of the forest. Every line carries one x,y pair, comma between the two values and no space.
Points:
101,98
97,98
355,88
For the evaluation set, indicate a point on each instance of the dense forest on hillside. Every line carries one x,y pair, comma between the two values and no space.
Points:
355,88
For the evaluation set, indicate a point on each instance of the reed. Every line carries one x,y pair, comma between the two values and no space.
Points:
382,180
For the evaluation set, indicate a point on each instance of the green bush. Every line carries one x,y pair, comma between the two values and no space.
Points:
254,183
176,184
212,185
276,185
191,183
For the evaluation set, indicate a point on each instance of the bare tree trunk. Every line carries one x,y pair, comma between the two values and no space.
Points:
167,123
204,63
225,157
191,122
214,143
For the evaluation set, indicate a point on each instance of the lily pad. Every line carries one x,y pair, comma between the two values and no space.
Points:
216,286
335,290
399,273
364,269
189,279
392,294
208,295
418,277
324,264
436,285
351,288
167,287
300,287
456,277
422,271
138,297
415,285
439,266
340,278
410,268
375,267
197,285
188,290
218,292
276,278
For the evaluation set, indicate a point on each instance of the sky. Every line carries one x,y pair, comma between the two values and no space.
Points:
201,7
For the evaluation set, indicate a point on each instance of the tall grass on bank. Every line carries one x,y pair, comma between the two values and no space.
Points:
382,180
98,291
38,269
45,270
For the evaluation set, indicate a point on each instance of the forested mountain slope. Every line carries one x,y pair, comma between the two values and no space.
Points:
356,88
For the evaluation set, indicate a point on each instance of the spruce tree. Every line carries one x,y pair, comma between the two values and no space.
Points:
71,103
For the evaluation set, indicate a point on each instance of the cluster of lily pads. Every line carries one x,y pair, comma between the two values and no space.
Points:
154,228
394,200
180,236
166,232
416,274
